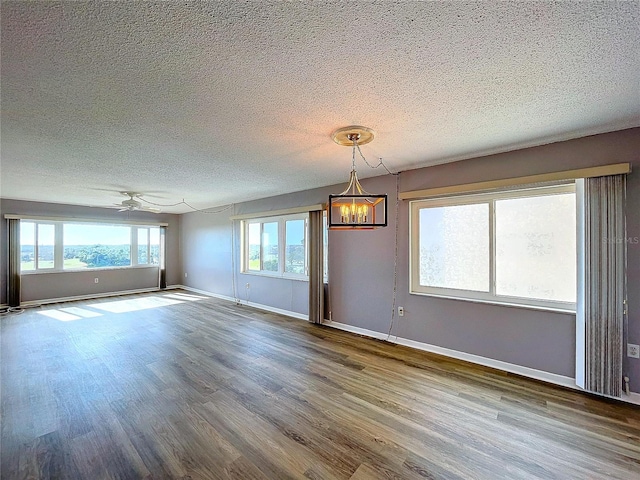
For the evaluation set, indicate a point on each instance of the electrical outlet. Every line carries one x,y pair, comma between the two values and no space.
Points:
401,311
247,286
633,351
95,280
186,274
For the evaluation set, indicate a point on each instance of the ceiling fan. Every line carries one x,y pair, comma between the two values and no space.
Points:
131,204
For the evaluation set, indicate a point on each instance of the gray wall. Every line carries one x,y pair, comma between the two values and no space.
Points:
207,252
541,340
44,286
361,263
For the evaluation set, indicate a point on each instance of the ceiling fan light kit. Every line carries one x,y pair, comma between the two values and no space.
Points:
132,205
355,208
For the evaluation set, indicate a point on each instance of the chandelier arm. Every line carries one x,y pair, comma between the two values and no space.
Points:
354,187
351,187
361,190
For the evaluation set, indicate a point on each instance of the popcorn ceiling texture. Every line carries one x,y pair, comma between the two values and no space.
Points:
221,102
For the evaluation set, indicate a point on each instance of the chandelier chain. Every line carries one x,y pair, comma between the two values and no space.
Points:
353,154
380,162
201,210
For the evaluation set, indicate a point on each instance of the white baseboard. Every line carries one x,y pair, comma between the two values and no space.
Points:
47,301
533,373
259,306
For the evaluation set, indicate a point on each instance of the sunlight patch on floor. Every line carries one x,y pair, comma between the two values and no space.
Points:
68,314
185,296
60,315
135,304
81,312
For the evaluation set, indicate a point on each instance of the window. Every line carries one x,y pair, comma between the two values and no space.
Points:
516,247
59,245
148,245
270,251
37,241
96,246
143,246
276,246
295,254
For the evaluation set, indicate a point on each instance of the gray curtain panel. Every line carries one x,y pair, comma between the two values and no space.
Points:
13,299
162,281
316,284
602,278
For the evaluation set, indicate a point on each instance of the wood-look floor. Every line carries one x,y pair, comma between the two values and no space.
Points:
206,389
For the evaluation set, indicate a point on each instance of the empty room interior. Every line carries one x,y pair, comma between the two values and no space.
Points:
322,240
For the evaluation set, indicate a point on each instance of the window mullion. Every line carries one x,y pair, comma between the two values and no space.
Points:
244,246
148,245
244,242
58,247
492,247
133,245
36,247
261,246
282,247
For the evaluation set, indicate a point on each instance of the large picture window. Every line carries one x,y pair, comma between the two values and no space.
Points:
59,245
516,247
276,246
96,246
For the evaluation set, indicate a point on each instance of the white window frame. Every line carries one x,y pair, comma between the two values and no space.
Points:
59,245
281,221
57,252
135,245
483,297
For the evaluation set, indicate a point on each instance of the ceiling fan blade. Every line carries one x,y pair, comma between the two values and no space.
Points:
150,209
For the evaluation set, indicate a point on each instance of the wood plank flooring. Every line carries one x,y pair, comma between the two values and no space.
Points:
140,387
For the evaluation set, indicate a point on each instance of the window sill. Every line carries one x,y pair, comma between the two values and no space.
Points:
80,270
567,311
299,278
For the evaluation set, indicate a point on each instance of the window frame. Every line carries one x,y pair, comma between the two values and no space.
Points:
57,258
135,229
469,295
305,245
59,224
281,220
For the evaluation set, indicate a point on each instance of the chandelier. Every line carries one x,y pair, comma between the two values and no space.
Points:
355,208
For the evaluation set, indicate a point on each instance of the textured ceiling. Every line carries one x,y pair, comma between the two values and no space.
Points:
222,102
